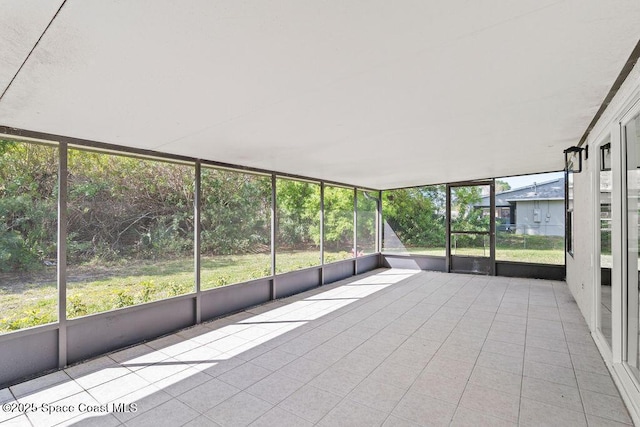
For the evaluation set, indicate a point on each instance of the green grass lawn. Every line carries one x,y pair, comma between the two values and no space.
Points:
416,251
98,288
32,301
538,256
509,247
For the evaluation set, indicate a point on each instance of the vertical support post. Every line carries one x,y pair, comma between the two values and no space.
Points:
379,222
492,227
273,236
62,253
355,231
619,223
197,206
566,214
447,222
622,279
379,231
322,233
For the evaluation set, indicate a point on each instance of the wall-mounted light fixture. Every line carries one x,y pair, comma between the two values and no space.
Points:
605,157
573,159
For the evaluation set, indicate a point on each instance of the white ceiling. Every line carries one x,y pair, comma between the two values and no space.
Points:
374,93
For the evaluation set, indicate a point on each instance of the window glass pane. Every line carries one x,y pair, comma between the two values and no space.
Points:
130,231
338,223
28,234
530,215
367,209
298,225
606,262
236,227
414,220
632,136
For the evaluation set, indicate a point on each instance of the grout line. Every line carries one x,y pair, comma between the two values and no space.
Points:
408,388
55,15
584,412
405,282
475,363
524,353
413,286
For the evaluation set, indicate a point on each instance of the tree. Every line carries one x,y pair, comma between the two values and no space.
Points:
122,207
502,186
298,215
235,212
468,215
28,205
416,215
366,220
338,219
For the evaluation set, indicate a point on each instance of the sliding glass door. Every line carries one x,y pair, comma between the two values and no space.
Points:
631,133
605,258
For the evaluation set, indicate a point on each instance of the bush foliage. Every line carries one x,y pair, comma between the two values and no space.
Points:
28,205
417,215
123,208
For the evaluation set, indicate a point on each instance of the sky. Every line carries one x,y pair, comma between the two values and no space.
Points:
523,181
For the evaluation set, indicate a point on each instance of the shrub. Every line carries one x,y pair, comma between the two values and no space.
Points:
75,307
33,317
148,289
123,300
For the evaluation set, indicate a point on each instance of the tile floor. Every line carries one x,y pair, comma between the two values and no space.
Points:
391,348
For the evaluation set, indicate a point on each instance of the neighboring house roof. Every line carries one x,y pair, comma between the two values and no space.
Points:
548,190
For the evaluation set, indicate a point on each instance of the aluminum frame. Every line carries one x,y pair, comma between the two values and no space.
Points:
205,304
492,224
62,253
86,144
197,242
198,303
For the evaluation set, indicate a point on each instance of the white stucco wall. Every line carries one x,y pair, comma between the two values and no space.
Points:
583,266
580,264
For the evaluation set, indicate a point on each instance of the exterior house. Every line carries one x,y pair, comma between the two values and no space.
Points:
536,209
